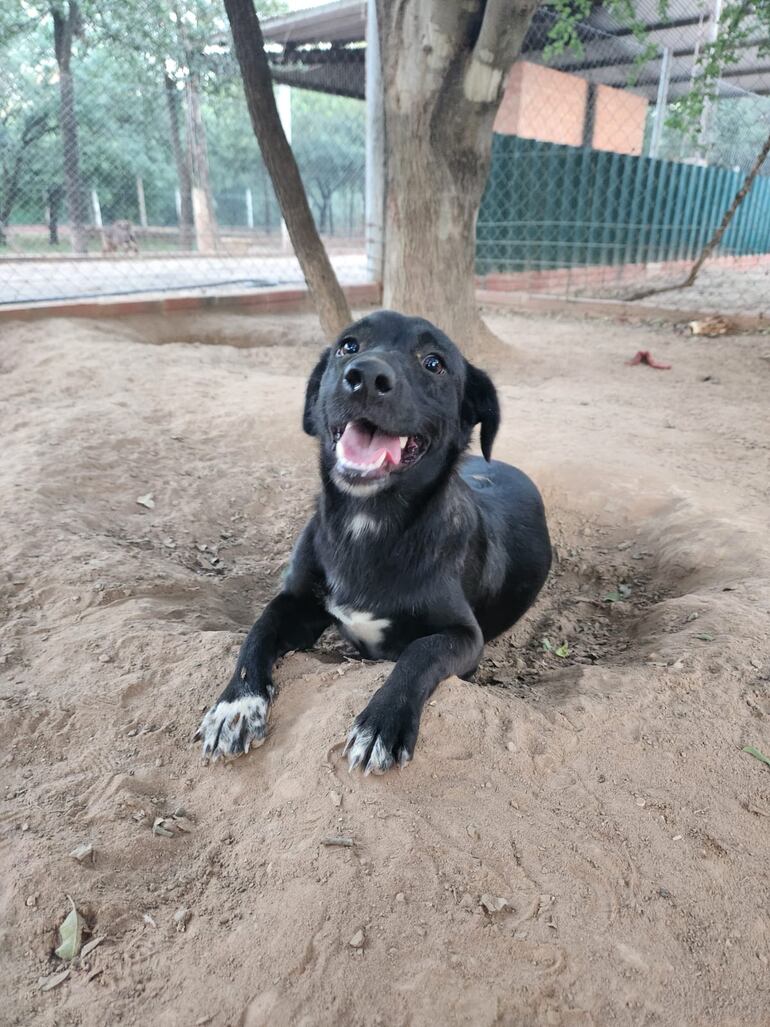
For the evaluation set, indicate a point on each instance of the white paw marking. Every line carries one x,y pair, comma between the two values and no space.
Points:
358,743
360,624
362,523
232,728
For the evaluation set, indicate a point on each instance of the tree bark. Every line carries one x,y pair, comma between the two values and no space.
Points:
182,167
65,28
444,71
54,199
716,238
35,127
327,294
202,199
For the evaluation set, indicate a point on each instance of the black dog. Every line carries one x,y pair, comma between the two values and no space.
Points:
416,554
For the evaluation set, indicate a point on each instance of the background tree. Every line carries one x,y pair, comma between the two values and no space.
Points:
68,26
27,117
332,164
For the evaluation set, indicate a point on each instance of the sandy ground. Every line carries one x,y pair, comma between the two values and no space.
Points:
603,793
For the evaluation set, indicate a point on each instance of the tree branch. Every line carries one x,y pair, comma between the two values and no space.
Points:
503,28
502,33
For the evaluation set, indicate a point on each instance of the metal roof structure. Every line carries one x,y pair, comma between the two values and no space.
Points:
323,48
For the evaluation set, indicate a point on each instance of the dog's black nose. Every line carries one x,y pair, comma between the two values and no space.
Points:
369,376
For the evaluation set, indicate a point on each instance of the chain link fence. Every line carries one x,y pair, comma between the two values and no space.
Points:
128,164
135,170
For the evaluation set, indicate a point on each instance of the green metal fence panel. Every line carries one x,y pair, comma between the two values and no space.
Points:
552,206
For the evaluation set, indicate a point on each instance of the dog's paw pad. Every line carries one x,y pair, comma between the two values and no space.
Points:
232,728
366,750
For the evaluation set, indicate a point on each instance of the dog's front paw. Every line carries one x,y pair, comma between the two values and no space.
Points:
231,728
380,738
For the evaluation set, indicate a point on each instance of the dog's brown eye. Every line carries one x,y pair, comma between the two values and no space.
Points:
434,364
347,347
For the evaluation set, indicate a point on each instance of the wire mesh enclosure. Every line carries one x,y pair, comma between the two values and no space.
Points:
128,164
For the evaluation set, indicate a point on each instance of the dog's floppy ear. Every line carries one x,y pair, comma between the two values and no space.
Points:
480,406
311,394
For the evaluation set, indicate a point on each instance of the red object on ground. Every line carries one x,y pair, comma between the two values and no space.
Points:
643,356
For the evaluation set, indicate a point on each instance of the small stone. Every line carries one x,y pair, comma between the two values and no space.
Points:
473,831
494,903
25,826
104,658
182,918
336,799
31,901
83,852
357,941
641,802
400,897
510,747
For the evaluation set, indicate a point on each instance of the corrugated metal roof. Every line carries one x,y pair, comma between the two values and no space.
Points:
610,50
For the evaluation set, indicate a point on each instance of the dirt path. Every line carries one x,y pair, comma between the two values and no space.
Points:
602,793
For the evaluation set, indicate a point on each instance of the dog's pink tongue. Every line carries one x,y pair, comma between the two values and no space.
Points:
365,448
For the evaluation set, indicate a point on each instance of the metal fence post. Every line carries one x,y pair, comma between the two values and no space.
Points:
375,149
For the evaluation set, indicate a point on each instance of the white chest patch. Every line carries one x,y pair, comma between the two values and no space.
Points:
362,524
363,626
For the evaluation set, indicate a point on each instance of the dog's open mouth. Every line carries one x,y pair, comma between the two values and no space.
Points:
364,451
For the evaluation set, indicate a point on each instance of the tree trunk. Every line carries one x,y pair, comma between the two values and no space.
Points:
329,299
10,193
266,197
54,199
182,167
65,28
444,71
202,200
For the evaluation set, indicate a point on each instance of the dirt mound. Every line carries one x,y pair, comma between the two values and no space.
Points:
592,778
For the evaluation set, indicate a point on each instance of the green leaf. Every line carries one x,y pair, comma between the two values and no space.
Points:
71,934
547,647
756,754
563,650
705,636
614,597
